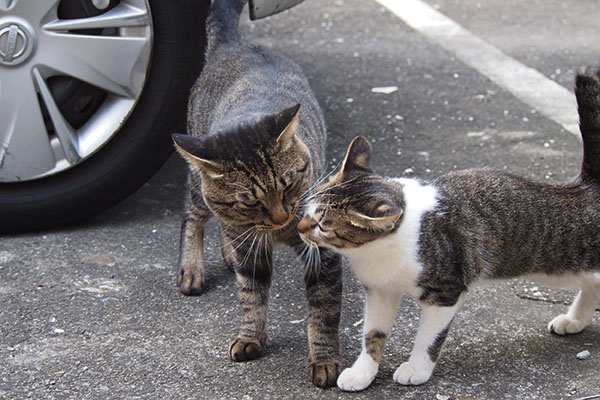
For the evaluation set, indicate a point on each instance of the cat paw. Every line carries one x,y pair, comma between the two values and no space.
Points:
245,349
190,282
408,374
563,324
354,380
324,373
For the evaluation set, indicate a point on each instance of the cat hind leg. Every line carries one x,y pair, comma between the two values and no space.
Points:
582,310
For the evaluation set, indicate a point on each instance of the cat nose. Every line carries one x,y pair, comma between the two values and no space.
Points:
279,215
304,225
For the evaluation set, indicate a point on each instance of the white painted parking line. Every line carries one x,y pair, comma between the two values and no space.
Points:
527,84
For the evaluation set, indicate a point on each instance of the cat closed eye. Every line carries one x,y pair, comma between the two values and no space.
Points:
324,231
293,186
289,200
326,223
303,169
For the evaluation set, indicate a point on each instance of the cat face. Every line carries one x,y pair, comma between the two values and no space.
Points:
354,207
253,175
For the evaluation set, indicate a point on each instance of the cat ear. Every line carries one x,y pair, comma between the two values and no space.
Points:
192,151
287,121
383,218
358,156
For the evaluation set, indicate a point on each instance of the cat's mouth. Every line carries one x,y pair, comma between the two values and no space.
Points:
308,240
304,229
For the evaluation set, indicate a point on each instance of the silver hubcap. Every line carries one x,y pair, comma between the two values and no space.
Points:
107,54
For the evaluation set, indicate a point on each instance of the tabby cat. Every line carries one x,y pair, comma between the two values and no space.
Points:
255,144
436,240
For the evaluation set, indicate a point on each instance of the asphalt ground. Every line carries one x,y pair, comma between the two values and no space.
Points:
93,312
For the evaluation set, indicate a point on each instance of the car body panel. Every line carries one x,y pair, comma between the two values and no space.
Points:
263,8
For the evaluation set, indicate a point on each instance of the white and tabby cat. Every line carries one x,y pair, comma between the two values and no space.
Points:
435,240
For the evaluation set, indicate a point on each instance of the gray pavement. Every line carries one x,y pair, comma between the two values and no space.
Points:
93,311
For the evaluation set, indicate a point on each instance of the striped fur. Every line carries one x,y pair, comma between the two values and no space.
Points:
435,241
255,145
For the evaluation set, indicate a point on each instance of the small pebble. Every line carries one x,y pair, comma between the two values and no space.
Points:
385,89
584,355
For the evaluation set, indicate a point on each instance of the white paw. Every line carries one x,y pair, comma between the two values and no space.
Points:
355,379
564,324
410,374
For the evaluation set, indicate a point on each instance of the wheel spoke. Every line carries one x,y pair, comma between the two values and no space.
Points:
115,64
121,16
65,132
25,146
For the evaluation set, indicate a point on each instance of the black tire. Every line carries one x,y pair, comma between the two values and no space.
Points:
140,147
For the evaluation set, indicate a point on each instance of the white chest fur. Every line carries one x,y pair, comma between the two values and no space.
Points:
391,263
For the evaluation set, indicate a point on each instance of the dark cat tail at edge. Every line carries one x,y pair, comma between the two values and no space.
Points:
587,92
222,23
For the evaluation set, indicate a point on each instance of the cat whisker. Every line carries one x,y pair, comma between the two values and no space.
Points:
323,191
323,177
303,254
238,245
235,248
326,205
249,250
262,250
232,241
258,249
312,260
247,257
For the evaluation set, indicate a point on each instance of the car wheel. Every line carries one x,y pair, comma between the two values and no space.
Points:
90,91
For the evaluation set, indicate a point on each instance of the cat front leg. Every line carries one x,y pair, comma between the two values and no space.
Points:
380,310
324,294
190,273
582,310
228,246
433,327
253,272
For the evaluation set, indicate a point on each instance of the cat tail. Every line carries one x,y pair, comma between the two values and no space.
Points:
222,23
587,92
